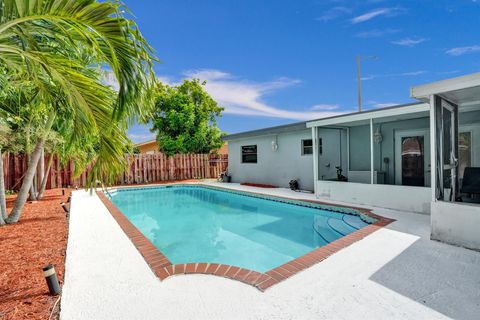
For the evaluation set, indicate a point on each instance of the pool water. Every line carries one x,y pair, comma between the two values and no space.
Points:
198,224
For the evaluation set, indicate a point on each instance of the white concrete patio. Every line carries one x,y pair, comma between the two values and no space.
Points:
395,273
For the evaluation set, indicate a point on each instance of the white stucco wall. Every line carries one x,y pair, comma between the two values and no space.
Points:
273,167
456,223
412,199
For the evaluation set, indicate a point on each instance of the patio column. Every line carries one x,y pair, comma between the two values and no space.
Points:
315,157
348,150
433,149
371,151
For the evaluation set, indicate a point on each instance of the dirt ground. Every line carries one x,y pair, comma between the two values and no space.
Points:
38,239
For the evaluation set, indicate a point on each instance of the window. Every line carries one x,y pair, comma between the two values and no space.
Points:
307,147
249,154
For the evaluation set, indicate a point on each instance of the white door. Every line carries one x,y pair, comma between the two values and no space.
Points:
329,148
412,158
447,149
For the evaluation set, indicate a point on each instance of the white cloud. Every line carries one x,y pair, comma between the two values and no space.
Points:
376,33
325,107
210,74
333,13
370,77
166,80
463,50
141,137
393,75
110,80
409,42
412,73
448,72
388,12
243,97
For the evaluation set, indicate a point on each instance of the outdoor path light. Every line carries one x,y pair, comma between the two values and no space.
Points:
52,280
65,208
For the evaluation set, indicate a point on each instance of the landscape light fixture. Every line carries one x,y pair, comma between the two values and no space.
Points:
65,208
52,280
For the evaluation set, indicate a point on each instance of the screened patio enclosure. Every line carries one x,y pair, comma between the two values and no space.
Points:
386,158
455,149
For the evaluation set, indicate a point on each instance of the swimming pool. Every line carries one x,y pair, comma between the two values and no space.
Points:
202,224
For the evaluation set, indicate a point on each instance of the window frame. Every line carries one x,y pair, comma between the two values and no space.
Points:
251,153
302,145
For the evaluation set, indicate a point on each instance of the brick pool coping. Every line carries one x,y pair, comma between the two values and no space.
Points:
163,268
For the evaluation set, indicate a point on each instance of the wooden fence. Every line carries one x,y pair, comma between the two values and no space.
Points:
143,168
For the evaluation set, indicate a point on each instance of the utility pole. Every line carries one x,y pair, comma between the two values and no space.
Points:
359,79
359,85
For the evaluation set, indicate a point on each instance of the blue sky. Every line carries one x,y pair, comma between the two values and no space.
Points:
275,62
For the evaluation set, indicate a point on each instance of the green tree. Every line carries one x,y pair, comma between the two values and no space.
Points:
59,47
184,119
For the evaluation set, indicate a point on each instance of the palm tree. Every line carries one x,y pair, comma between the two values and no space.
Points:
46,42
53,142
4,133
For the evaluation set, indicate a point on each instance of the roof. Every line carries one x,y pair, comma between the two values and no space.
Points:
398,112
347,117
461,90
268,131
145,142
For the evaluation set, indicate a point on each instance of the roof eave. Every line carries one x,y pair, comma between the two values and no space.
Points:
267,131
370,114
423,92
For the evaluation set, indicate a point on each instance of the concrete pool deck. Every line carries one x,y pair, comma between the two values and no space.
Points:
396,272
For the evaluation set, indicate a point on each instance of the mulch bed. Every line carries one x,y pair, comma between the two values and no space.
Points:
39,238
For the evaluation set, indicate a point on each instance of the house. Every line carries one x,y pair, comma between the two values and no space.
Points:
148,147
272,156
151,147
415,157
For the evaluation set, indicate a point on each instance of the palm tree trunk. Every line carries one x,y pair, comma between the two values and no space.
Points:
33,194
27,183
45,178
28,154
41,165
3,205
28,179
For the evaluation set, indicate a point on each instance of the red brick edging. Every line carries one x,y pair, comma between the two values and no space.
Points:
163,268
